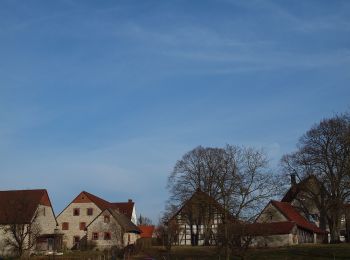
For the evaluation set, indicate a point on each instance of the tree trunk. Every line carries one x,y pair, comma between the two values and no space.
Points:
323,224
334,228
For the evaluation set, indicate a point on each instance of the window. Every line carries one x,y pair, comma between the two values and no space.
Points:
107,236
89,211
342,219
95,236
65,226
106,219
76,212
44,212
82,225
76,239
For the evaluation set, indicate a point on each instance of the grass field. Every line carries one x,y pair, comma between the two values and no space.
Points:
319,252
312,252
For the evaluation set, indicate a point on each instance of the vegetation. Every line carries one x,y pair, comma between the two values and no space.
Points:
236,177
324,152
306,251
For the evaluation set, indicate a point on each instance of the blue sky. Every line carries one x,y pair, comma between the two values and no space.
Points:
106,96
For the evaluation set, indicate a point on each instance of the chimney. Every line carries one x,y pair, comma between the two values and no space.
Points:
293,180
130,200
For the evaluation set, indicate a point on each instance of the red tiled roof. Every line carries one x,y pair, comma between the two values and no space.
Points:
273,228
124,207
146,231
293,215
19,206
101,203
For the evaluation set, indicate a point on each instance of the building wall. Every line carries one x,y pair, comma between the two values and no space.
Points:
46,219
100,227
130,238
184,237
270,214
273,241
134,216
74,221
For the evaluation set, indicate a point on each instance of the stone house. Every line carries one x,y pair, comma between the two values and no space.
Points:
280,224
198,220
306,195
112,228
74,219
30,211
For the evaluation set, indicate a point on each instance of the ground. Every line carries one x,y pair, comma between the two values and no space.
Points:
309,252
319,252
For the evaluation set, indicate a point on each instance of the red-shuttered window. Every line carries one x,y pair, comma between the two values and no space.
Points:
76,212
82,225
65,226
95,236
89,211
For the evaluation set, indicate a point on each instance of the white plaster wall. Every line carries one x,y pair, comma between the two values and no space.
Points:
271,241
74,221
134,216
270,210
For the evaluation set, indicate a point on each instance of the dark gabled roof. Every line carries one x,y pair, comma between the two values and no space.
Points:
123,221
296,188
124,207
293,215
19,206
204,198
264,229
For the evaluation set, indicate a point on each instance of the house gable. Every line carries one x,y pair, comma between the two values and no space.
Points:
20,206
271,214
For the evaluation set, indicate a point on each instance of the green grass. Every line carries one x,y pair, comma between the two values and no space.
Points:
316,252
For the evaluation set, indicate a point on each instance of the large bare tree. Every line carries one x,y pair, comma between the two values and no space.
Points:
324,152
237,177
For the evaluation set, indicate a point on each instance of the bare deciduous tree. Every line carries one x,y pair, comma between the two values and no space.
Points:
324,151
236,177
145,221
